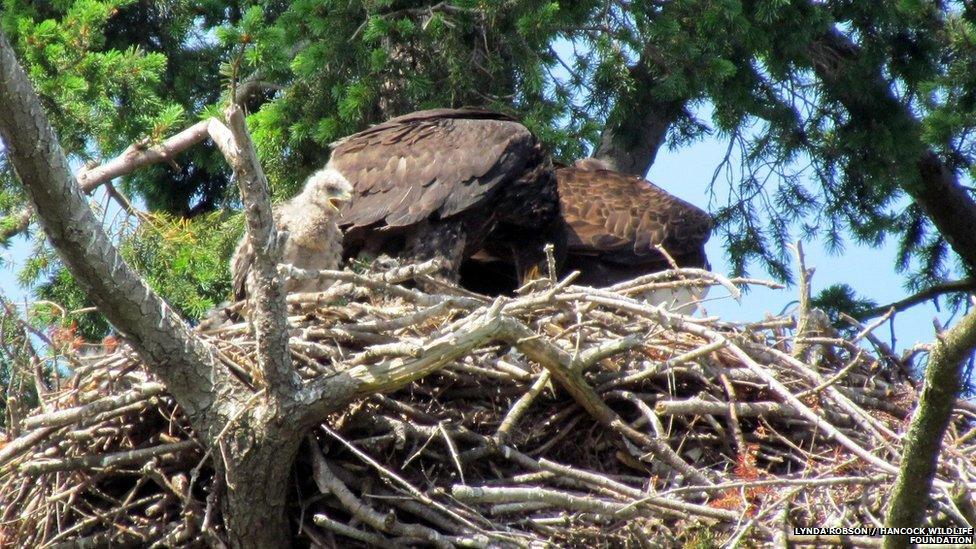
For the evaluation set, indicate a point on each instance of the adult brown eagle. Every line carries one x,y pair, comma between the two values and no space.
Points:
445,183
614,223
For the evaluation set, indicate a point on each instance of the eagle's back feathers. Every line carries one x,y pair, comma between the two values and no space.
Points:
621,219
445,182
439,162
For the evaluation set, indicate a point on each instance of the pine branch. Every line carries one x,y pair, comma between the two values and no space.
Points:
860,87
955,286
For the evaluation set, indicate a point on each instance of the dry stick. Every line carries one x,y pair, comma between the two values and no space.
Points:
803,482
586,504
637,283
520,407
452,449
607,349
870,328
108,537
881,346
588,478
327,482
419,510
77,414
862,418
420,496
803,324
564,371
701,407
841,374
22,444
365,380
105,460
755,368
554,498
385,282
124,202
684,357
732,407
387,350
635,494
406,320
374,540
811,416
100,419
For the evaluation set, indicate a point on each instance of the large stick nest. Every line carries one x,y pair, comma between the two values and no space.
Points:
698,431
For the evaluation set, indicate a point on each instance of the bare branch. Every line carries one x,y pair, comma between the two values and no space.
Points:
967,285
266,291
137,155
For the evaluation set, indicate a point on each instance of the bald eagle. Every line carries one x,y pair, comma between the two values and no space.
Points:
314,240
613,224
616,221
445,183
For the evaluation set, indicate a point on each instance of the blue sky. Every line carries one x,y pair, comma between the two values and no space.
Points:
686,172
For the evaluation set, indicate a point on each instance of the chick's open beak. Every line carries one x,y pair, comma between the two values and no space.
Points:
336,201
535,273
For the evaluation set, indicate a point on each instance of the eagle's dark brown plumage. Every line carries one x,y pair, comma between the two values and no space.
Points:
444,183
613,224
616,221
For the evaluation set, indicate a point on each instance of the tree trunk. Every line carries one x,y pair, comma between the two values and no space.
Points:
638,126
923,443
256,460
258,476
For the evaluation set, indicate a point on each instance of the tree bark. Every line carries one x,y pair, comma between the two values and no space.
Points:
869,100
923,443
156,332
258,477
637,126
256,457
267,293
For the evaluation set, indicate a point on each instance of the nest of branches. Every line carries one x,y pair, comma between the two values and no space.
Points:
563,416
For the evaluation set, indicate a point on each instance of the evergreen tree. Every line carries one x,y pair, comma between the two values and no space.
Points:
854,119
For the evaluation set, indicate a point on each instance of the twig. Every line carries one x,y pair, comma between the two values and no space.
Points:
106,460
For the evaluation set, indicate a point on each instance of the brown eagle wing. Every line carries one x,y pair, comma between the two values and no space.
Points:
441,161
622,218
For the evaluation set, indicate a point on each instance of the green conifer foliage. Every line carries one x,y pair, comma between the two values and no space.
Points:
826,105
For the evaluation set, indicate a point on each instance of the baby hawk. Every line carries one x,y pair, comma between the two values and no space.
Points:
314,239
